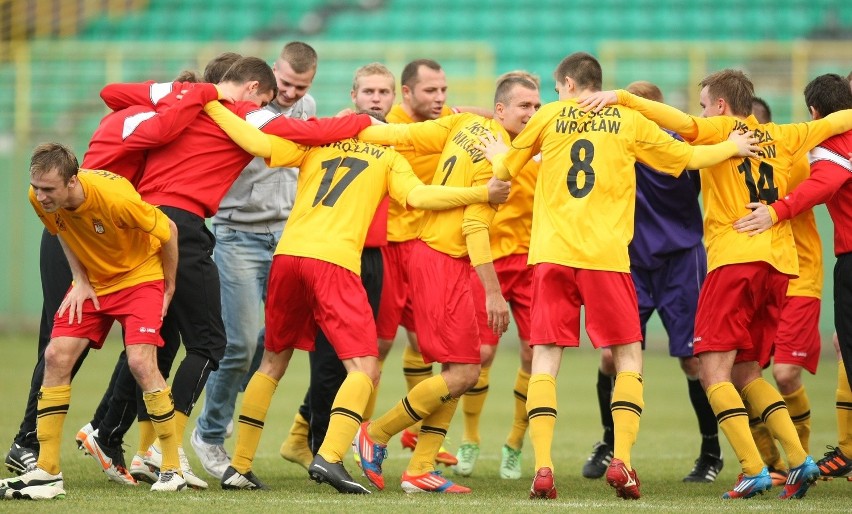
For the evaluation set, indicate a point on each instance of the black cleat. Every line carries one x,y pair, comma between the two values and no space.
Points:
334,474
233,479
598,462
707,468
21,459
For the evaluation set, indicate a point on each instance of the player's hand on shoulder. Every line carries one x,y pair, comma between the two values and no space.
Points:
597,101
498,190
746,143
491,145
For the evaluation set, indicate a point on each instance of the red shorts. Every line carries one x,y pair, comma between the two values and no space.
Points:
738,309
797,340
395,304
137,308
305,293
612,311
515,277
443,307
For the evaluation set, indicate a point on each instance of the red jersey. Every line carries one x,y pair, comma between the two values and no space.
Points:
195,170
830,183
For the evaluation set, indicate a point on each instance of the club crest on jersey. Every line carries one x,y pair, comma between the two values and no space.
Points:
60,223
99,225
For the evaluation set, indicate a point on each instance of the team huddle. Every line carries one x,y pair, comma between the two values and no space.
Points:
440,220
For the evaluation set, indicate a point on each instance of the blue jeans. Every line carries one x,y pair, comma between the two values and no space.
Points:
244,259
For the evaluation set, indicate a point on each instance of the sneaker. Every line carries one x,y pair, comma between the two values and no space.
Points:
154,460
833,464
431,482
334,474
409,442
109,458
543,485
141,472
779,476
21,459
800,479
598,462
749,485
296,450
81,436
510,463
372,455
35,484
169,481
625,481
233,479
214,459
707,468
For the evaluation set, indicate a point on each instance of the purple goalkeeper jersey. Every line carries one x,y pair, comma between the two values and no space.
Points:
668,216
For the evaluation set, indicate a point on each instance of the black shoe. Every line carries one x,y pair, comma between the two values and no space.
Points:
334,474
598,462
233,479
21,459
707,468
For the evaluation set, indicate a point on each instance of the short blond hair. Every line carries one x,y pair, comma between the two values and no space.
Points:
374,68
300,56
532,77
645,89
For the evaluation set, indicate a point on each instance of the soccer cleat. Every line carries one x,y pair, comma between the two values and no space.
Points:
779,476
707,468
409,442
214,459
154,460
800,479
233,479
431,482
81,436
598,462
295,449
510,464
372,455
169,481
35,484
109,458
625,481
141,472
334,474
834,464
543,486
749,485
466,456
21,459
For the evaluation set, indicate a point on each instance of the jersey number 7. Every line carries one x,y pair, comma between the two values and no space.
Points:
329,198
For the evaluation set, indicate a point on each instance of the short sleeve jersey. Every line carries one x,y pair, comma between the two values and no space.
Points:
728,186
114,234
404,224
585,194
340,186
512,225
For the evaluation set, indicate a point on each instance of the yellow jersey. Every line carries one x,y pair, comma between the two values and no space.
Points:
808,244
512,225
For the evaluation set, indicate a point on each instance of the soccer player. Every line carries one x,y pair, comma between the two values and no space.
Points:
582,224
188,178
314,282
123,255
247,227
668,264
514,104
741,300
829,182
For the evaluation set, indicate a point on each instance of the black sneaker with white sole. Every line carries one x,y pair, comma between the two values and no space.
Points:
707,468
233,479
598,462
334,474
21,459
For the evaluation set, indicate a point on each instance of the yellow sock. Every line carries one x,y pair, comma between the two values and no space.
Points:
161,409
521,421
415,371
181,420
733,420
766,400
432,434
626,405
346,415
51,410
766,444
843,407
147,436
256,402
300,427
370,409
419,403
473,402
541,409
799,406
